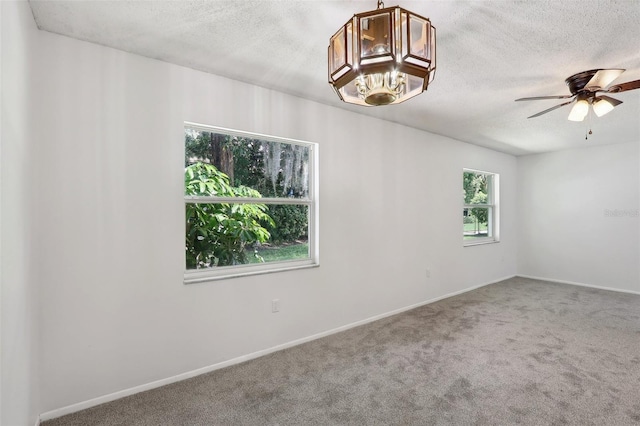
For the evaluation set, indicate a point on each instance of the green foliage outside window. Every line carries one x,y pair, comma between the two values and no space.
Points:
290,223
217,234
272,169
481,214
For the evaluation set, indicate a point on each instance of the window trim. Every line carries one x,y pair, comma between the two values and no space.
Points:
493,204
311,201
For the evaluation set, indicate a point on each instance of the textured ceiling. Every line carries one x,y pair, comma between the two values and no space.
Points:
489,53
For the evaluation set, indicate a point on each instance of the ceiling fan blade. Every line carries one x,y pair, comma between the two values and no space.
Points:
537,98
550,109
602,79
623,87
609,99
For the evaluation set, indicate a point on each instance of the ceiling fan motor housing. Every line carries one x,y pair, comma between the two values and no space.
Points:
577,82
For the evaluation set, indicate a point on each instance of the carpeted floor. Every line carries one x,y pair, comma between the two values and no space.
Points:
517,352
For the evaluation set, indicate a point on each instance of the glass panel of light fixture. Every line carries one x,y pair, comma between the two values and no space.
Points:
353,25
375,35
432,51
403,34
413,86
349,27
418,34
338,51
432,75
350,92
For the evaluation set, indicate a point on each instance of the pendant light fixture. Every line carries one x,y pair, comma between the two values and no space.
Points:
382,57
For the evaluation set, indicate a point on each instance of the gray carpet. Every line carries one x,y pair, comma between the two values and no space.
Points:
517,352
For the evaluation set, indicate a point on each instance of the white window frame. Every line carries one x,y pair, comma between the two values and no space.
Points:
493,205
311,201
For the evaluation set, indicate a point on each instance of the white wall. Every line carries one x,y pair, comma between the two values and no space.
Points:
19,301
115,313
92,217
99,148
565,231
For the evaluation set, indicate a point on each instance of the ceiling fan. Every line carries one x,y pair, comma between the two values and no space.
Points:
585,88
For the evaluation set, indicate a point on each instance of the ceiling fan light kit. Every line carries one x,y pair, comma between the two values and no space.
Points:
382,57
602,107
580,109
584,87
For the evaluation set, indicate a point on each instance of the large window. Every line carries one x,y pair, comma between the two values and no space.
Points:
250,203
480,210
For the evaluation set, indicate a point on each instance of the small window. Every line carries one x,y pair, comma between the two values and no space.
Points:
250,203
480,207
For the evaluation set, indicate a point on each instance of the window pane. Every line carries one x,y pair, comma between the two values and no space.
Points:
273,169
476,187
475,222
479,214
224,234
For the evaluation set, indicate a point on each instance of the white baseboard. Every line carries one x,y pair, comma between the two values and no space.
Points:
189,374
619,290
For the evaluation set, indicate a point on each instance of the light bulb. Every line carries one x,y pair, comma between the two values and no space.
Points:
579,110
602,107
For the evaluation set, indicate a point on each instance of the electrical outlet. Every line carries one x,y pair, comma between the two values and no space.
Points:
275,305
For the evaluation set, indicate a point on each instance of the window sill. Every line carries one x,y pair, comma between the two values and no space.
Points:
479,242
201,276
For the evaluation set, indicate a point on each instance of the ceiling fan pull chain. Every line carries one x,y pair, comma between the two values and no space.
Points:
587,126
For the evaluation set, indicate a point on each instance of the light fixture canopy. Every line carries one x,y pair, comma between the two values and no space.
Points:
382,57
